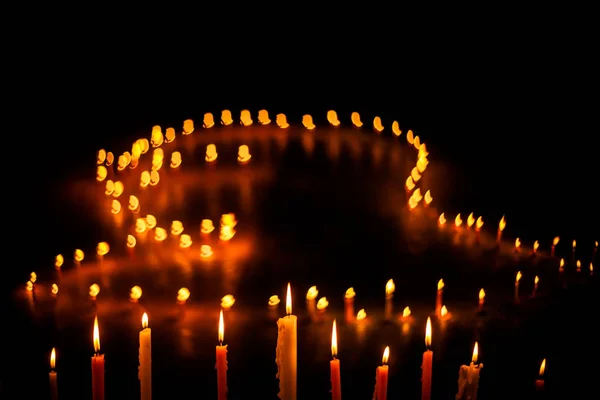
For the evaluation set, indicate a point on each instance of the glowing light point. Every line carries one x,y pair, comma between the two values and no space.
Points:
78,255
307,122
160,234
377,125
332,118
183,295
110,158
175,159
185,241
170,135
226,118
102,249
410,137
188,126
208,121
274,301
244,154
206,251
206,226
355,118
131,241
396,128
101,173
246,118
94,291
211,153
156,137
322,304
135,293
176,228
59,260
312,293
227,302
263,117
101,156
281,121
54,289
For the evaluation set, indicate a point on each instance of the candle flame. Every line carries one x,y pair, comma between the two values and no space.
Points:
390,287
144,321
96,336
334,345
54,288
322,304
428,333
475,353
470,220
442,219
386,355
578,265
479,223
274,300
458,220
555,241
562,263
53,359
350,293
440,284
361,314
518,278
502,224
288,300
406,312
221,328
591,268
312,293
543,367
574,244
536,245
443,311
596,244
536,280
481,294
517,243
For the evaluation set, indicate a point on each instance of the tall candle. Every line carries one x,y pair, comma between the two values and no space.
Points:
481,298
439,298
390,288
381,377
501,226
52,376
554,243
145,356
468,378
334,365
286,353
221,362
349,305
426,368
517,280
97,366
539,383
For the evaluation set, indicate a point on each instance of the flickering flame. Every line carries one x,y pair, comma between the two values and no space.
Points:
53,359
135,293
355,118
58,261
134,203
377,124
423,151
226,118
211,153
156,137
307,122
332,118
101,173
154,178
479,223
281,121
144,321
118,189
396,128
561,265
29,286
417,142
206,226
440,284
185,241
131,241
123,161
574,244
428,333
141,225
102,249
443,311
144,179
350,293
578,265
160,234
422,164
361,314
428,198
263,117
536,280
458,221
334,349
175,159
78,255
109,188
519,276
481,295
274,300
244,154
226,232
183,294
536,245
110,158
322,303
228,219
312,293
543,368
442,219
94,290
409,184
245,118
100,156
96,336
227,301
208,121
221,328
410,138
288,300
406,312
502,224
158,155
414,173
386,355
115,207
475,353
33,277
188,126
176,228
470,220
555,241
596,244
206,251
517,243
54,288
390,287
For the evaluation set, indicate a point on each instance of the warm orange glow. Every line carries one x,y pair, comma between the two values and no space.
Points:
183,295
536,245
479,223
322,304
355,118
396,128
561,265
176,228
158,156
475,353
263,117
502,224
58,261
94,290
226,233
188,126
169,135
175,159
350,293
470,220
361,314
115,207
536,280
274,300
596,244
417,142
288,300
390,287
96,336
244,154
428,333
555,241
281,121
578,264
131,241
100,156
221,328
29,286
78,255
312,293
135,293
109,188
144,179
458,221
102,249
123,161
332,118
208,121
377,125
410,136
543,368
406,312
226,118
150,221
517,244
440,284
206,226
118,189
160,234
185,241
481,295
428,198
54,289
444,311
334,344
140,225
206,251
110,158
519,276
53,359
211,153
386,355
591,268
144,321
574,244
156,137
415,175
134,204
154,178
228,219
227,301
422,164
409,184
246,118
101,173
307,122
442,219
33,277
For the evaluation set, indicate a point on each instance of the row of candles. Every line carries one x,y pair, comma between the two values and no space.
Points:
286,357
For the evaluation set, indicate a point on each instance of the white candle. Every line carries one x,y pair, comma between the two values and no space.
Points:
53,376
286,352
468,378
145,368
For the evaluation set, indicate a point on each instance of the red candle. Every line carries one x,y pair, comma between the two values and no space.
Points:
427,365
97,366
349,305
539,383
381,377
438,298
336,382
221,362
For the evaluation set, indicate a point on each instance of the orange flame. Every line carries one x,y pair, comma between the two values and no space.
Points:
281,121
440,284
355,118
444,311
536,245
406,312
55,288
578,265
263,117
350,293
555,241
386,355
144,321
221,328
244,154
481,295
518,278
96,336
188,126
574,244
475,353
543,367
226,118
428,198
502,224
322,304
135,293
396,128
288,300
470,220
227,301
183,294
334,345
410,138
377,125
361,314
442,219
479,223
536,280
59,260
390,287
428,333
208,121
312,293
458,220
211,153
307,122
517,243
53,359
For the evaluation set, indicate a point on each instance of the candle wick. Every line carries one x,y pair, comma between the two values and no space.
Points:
220,343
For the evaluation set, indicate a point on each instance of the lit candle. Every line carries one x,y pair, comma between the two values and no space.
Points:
427,364
536,281
574,248
539,383
554,243
349,305
468,378
438,299
97,366
286,353
481,298
53,377
390,288
336,382
221,362
595,250
145,355
501,226
517,280
381,377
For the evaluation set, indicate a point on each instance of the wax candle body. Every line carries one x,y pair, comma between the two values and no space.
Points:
286,357
53,386
336,382
349,309
468,382
438,303
145,368
426,372
389,306
381,381
98,377
539,385
221,372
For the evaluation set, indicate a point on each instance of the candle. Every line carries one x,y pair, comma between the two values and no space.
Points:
501,226
517,279
427,364
390,288
145,355
349,305
52,375
539,383
481,298
334,365
438,299
97,366
554,243
536,281
286,353
381,377
574,248
468,378
221,362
